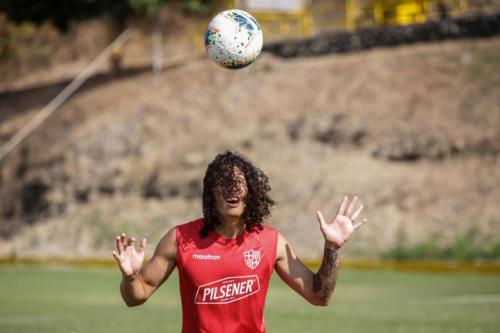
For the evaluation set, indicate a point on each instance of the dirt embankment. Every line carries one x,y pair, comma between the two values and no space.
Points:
414,131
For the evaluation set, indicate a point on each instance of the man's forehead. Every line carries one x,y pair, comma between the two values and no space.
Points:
238,173
235,175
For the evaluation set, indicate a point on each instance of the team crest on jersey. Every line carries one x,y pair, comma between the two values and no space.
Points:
252,258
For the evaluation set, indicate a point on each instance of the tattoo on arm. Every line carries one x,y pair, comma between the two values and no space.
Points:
325,279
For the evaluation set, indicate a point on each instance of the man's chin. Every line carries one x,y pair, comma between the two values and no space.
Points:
234,212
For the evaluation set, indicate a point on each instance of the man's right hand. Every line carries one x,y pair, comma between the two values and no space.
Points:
129,260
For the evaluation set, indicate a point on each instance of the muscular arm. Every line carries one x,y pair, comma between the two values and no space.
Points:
317,288
138,287
325,279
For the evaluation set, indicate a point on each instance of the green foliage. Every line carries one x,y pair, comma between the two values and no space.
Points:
25,46
5,38
61,13
148,6
466,247
153,6
197,6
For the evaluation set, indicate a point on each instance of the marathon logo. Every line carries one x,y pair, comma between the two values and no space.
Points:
206,257
228,290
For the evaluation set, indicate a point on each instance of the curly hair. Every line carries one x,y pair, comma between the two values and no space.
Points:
220,175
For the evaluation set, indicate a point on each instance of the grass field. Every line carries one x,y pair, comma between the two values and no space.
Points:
68,299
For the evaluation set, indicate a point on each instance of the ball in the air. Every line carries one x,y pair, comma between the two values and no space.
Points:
233,39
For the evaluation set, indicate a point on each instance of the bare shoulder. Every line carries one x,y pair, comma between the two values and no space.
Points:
167,247
284,249
164,260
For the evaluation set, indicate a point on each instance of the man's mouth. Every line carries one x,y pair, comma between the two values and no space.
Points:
233,201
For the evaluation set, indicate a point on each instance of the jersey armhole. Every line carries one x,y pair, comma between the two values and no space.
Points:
275,249
178,254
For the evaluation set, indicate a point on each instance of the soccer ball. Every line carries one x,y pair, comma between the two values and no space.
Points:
233,39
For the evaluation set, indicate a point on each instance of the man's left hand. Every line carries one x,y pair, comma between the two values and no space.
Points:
340,229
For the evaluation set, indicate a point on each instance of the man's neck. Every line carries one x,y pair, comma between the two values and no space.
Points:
231,227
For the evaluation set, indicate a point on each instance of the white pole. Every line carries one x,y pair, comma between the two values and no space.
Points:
62,96
157,46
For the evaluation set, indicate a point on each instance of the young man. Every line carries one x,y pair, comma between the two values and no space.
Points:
225,259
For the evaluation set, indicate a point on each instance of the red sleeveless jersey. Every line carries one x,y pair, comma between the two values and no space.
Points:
223,282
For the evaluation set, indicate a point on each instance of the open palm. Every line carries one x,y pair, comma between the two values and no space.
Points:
129,259
340,229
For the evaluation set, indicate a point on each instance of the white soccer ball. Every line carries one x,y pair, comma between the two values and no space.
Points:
233,39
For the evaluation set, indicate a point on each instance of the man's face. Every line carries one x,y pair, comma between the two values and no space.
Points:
231,202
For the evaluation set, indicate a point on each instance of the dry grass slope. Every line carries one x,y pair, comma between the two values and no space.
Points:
414,131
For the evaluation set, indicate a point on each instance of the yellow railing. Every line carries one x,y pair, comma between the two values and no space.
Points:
486,267
361,13
285,25
278,24
317,16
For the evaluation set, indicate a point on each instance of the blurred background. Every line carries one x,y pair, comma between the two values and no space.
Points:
414,130
397,101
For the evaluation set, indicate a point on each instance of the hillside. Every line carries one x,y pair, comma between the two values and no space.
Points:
414,131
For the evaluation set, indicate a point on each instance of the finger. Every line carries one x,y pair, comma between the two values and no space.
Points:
119,245
123,241
342,207
351,207
142,245
358,225
356,213
130,241
321,219
117,256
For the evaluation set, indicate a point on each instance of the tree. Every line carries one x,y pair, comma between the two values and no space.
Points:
61,13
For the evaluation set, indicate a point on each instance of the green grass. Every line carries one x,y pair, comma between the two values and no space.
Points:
467,247
67,299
